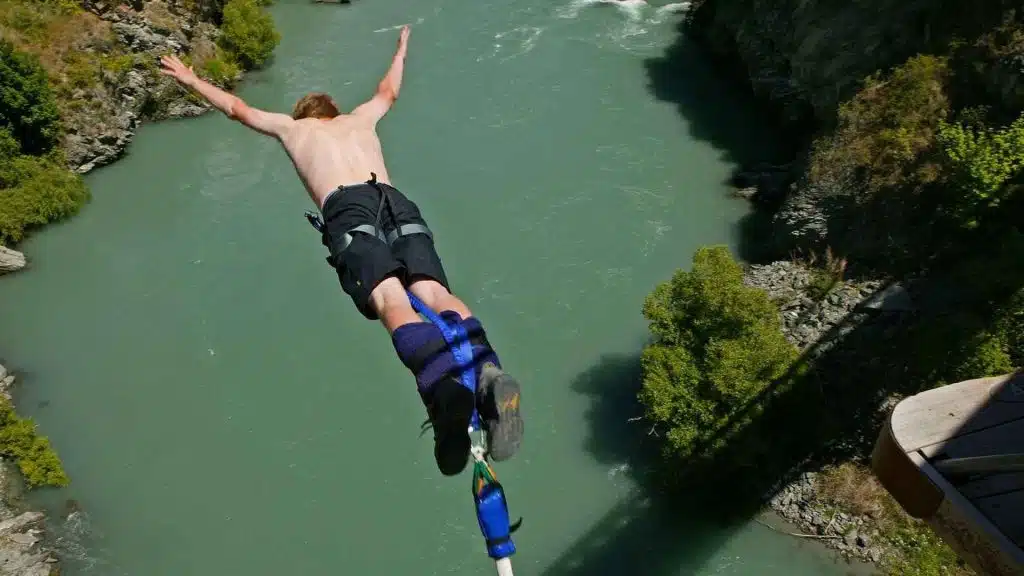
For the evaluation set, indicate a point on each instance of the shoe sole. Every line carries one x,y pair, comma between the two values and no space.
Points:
503,423
451,428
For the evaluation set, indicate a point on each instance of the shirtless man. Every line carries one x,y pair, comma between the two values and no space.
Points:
380,246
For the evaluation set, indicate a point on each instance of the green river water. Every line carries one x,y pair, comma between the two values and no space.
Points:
223,409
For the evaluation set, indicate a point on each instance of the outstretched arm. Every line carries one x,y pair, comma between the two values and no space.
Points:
267,123
387,89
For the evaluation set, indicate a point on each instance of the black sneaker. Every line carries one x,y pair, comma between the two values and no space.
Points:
498,402
450,408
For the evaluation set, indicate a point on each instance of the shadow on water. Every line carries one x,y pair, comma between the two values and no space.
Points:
723,112
650,531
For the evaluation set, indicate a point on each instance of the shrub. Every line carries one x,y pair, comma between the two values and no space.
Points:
718,345
248,32
18,439
27,106
118,65
221,70
27,19
34,191
982,159
1011,326
888,124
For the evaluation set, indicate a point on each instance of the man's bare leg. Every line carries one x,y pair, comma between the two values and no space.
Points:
392,304
438,298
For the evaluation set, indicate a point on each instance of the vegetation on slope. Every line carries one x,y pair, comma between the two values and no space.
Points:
921,180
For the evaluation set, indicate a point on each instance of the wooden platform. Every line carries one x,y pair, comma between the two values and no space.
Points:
954,457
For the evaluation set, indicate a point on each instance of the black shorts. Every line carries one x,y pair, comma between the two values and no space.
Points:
362,259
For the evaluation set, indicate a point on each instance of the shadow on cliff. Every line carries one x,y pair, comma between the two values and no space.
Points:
825,409
723,112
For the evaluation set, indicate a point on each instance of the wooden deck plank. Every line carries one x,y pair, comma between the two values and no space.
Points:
1007,438
1007,512
964,407
990,485
969,531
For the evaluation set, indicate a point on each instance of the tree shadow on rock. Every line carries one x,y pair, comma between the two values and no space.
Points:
830,405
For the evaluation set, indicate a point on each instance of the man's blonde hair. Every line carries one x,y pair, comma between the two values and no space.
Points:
315,105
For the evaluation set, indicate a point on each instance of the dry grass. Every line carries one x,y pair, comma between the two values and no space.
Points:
914,549
855,489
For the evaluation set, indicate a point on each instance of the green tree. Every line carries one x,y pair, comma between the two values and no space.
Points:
717,345
248,32
27,106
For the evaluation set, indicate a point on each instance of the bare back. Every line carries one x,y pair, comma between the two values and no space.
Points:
336,152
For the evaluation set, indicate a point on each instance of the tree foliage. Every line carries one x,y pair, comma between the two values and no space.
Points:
28,109
34,190
36,458
249,33
982,159
717,346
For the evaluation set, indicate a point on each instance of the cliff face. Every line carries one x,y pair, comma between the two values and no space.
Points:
100,128
807,56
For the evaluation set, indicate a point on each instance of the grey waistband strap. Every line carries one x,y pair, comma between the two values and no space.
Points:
365,229
407,229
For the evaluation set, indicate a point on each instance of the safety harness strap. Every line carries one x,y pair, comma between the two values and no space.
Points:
456,337
406,230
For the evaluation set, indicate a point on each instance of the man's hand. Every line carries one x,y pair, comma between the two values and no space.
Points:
176,69
403,38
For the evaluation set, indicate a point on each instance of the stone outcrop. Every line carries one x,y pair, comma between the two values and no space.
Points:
851,535
22,550
10,260
99,131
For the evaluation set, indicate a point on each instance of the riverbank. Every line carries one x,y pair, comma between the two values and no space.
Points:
23,551
93,77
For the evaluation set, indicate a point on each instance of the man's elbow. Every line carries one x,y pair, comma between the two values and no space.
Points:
387,92
237,110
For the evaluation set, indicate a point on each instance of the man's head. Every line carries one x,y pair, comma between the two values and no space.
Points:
315,105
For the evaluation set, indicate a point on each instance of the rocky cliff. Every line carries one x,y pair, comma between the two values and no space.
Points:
807,56
100,129
810,59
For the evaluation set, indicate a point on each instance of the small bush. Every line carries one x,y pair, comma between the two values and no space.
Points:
982,159
81,70
917,549
18,439
1011,326
26,19
248,32
826,275
221,70
718,344
27,106
888,124
34,191
119,65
